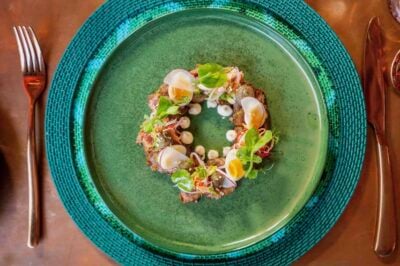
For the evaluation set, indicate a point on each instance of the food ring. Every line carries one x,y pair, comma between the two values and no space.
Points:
168,144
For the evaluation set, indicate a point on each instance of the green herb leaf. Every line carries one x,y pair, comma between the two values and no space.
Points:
252,174
166,107
209,68
226,97
251,138
247,153
180,175
211,169
200,172
275,136
204,171
212,75
244,154
185,186
163,104
213,80
267,137
183,180
172,110
149,124
257,159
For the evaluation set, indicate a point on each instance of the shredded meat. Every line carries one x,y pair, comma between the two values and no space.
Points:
194,72
260,96
153,100
198,98
227,191
238,118
189,197
146,140
163,90
217,180
173,134
217,162
235,77
152,160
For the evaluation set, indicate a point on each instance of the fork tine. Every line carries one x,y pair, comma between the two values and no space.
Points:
32,51
26,50
20,50
38,51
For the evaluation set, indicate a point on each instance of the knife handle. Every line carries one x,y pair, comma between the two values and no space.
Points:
386,232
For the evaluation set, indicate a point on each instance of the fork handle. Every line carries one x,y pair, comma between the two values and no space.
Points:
386,232
33,218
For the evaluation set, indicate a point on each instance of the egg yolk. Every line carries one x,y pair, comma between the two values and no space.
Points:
179,94
256,118
235,168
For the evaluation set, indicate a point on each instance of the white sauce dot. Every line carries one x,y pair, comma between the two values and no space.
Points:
194,109
200,150
184,122
226,150
224,110
212,154
231,135
186,137
211,104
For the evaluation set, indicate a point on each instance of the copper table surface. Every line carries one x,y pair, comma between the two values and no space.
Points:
55,21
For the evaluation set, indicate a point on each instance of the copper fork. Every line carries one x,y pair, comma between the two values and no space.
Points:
34,80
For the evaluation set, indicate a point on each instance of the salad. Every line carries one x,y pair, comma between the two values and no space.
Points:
168,144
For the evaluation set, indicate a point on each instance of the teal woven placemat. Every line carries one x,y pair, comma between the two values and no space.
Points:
348,133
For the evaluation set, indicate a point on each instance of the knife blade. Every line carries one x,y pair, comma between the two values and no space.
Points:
375,85
374,82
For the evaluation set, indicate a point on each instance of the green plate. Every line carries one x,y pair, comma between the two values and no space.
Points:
146,202
98,98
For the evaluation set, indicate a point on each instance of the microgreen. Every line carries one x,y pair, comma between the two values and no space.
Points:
165,108
227,97
212,75
204,171
200,172
183,180
247,153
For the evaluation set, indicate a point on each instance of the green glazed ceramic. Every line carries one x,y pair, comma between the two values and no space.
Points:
146,202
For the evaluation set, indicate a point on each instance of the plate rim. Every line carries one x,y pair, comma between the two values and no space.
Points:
318,169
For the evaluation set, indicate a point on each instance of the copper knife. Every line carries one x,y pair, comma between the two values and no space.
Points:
375,86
